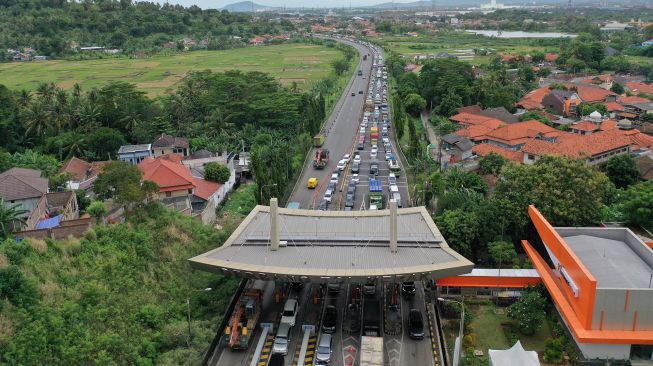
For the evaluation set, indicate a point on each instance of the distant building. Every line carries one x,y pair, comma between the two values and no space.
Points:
134,153
82,173
615,27
22,187
647,43
167,144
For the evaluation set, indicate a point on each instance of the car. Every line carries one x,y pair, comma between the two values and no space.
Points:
312,183
324,350
324,205
384,130
333,288
374,168
330,319
373,154
360,92
369,289
362,130
349,200
408,288
346,157
353,94
341,164
357,158
355,168
289,314
387,146
355,178
360,146
282,339
332,186
392,179
351,188
415,324
386,140
334,178
328,195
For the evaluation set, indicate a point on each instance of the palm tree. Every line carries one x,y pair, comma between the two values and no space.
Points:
36,118
10,215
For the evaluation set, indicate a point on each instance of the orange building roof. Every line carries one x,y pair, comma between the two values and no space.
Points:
533,100
168,175
614,107
591,94
586,126
486,149
473,131
638,139
608,124
550,57
469,118
77,168
204,188
519,133
633,100
640,87
579,146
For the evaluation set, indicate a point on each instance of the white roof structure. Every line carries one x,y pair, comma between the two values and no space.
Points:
335,246
516,355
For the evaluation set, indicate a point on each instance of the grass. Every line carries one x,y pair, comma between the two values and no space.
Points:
489,328
238,205
293,62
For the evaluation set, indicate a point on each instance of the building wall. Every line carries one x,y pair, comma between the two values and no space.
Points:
134,157
177,193
623,309
26,204
158,151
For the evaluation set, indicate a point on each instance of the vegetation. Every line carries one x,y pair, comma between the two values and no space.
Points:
9,215
622,171
116,296
528,311
216,172
635,205
121,181
492,163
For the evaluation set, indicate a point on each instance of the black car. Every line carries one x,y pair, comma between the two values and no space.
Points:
408,288
360,146
353,94
415,324
360,92
330,319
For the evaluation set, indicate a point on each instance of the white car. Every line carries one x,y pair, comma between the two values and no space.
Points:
289,314
328,195
386,140
373,154
334,178
355,178
357,159
341,166
346,157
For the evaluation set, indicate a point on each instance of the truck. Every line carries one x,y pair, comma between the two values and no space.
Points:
371,318
395,195
369,105
376,193
371,351
318,140
239,332
321,158
374,135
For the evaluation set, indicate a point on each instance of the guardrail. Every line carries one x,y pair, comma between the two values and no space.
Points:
223,324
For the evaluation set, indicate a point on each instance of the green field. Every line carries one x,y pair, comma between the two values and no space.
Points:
156,75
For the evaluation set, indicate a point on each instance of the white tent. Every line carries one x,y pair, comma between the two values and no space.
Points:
515,356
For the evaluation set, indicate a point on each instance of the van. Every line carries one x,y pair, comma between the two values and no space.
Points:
289,314
282,339
415,324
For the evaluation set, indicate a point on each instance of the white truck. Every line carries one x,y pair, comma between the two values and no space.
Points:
371,351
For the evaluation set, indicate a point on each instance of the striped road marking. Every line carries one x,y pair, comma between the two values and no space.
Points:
267,349
434,345
310,351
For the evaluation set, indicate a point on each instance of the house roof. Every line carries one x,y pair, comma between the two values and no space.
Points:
644,106
519,133
501,114
486,149
168,175
608,124
125,149
560,95
633,100
474,131
640,87
533,100
614,106
550,57
638,139
586,126
577,146
591,94
202,154
170,141
644,164
77,168
470,109
469,118
204,189
21,183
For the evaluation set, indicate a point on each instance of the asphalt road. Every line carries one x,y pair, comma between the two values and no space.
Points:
340,128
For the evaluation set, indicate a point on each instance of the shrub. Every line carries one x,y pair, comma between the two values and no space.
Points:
554,349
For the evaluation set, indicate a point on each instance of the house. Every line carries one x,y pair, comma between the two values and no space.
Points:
602,81
257,41
589,94
467,119
550,57
514,136
584,128
459,147
40,58
648,43
562,102
82,173
53,209
533,100
22,187
499,113
637,87
486,149
200,158
167,144
135,153
615,27
22,57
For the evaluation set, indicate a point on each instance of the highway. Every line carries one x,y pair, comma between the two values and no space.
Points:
342,131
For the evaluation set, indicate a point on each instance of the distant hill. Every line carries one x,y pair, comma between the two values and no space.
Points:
247,6
461,3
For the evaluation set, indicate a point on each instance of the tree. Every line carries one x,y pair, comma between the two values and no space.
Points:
617,88
568,192
340,66
457,178
586,109
216,172
97,209
121,181
636,204
502,252
492,163
460,228
104,143
528,311
414,104
449,104
10,215
554,349
622,171
534,115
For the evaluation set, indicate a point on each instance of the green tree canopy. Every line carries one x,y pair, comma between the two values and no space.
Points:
492,163
414,104
528,311
622,171
216,172
636,204
502,252
121,181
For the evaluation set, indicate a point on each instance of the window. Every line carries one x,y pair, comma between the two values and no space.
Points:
168,194
190,191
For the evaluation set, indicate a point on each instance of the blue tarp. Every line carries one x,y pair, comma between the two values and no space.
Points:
49,223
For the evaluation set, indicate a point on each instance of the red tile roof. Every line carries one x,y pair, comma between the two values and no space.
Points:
469,118
586,126
470,109
608,125
638,139
168,175
519,133
640,87
550,57
633,100
486,149
614,106
592,95
580,146
77,168
533,100
473,131
204,188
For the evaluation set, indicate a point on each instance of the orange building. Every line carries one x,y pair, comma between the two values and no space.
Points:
601,281
488,282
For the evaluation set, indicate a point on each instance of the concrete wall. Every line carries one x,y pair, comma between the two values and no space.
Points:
605,351
26,204
621,309
178,193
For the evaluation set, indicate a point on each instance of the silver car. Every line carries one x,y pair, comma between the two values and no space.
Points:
282,339
324,349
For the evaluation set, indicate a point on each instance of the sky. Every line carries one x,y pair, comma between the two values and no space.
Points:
216,4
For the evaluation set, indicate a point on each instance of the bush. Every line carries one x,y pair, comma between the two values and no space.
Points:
216,172
554,349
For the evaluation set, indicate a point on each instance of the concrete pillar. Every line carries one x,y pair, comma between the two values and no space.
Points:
274,224
393,226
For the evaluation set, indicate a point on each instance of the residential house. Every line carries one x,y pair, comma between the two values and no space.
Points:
82,173
514,136
602,81
22,187
499,113
469,119
167,144
648,43
584,128
459,147
637,87
135,154
562,102
615,27
533,100
589,94
53,209
199,159
22,57
550,57
257,41
486,149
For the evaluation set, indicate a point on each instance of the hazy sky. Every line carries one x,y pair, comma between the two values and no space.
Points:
216,4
